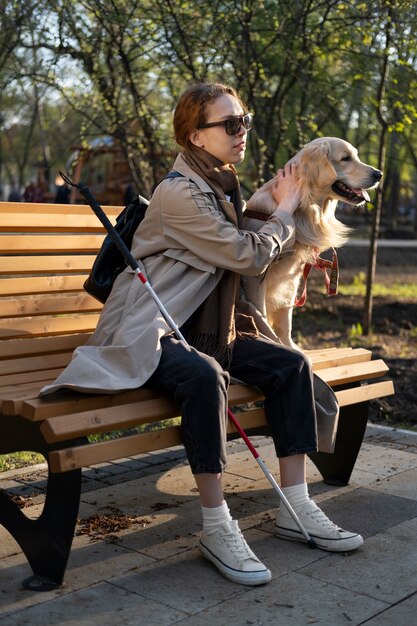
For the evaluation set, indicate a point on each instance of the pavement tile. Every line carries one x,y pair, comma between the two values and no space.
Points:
162,534
390,437
403,484
101,604
290,600
184,583
385,461
13,597
99,560
89,562
384,569
402,614
368,511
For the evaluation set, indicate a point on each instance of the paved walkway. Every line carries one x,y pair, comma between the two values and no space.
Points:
137,563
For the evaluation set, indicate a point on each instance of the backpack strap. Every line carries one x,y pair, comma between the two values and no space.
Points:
174,174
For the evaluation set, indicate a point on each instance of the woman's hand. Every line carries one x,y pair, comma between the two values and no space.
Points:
287,192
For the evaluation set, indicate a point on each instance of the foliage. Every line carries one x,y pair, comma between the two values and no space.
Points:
304,69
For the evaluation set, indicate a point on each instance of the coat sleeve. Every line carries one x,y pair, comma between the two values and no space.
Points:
192,220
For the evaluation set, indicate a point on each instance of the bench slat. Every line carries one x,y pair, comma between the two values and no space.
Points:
41,284
41,345
75,412
344,374
51,222
49,243
85,456
57,209
50,264
51,305
13,396
36,409
108,419
42,376
48,305
365,392
12,327
358,355
35,363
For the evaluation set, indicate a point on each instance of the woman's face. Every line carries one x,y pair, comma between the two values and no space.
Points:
227,148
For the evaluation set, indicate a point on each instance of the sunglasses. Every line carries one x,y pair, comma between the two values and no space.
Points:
233,125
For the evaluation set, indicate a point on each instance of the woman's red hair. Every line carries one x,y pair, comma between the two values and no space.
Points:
190,111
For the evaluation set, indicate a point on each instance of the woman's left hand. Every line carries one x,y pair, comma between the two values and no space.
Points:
287,192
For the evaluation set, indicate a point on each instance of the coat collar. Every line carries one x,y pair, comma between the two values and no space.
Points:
183,168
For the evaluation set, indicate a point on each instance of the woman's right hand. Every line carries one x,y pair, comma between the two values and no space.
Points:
287,191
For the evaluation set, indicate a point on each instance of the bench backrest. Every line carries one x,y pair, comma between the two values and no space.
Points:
47,251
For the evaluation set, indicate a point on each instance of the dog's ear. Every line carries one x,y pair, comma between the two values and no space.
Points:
315,166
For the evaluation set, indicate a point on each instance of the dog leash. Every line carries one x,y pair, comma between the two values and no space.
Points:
256,216
332,282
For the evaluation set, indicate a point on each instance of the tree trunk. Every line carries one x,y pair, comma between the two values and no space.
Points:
373,244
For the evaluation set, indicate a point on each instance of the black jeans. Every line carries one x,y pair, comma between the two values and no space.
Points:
199,385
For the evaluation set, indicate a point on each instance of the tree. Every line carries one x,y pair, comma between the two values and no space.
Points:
14,21
304,69
388,111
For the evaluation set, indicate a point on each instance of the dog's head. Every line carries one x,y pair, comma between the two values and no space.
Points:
330,169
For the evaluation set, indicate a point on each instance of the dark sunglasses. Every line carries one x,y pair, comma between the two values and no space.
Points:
233,125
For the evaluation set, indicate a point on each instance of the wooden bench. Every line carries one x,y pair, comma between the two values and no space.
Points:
46,251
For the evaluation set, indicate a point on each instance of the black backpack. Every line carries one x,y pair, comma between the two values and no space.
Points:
109,262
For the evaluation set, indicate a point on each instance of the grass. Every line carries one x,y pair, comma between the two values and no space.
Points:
400,290
16,460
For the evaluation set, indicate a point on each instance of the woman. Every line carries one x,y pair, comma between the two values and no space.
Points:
193,249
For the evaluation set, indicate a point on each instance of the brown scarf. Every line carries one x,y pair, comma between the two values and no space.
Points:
213,327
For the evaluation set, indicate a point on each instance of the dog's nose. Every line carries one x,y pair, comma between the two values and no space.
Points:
377,175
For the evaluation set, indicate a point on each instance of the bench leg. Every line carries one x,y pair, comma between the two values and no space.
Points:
45,541
336,468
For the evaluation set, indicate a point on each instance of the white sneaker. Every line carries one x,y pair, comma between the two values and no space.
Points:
324,533
227,549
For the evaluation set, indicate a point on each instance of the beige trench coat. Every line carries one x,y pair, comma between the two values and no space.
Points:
186,240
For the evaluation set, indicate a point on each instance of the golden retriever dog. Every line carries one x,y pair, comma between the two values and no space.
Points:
329,170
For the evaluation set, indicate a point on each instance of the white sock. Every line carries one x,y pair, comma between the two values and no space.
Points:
215,517
296,495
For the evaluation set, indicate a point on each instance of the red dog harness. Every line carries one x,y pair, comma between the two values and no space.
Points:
319,264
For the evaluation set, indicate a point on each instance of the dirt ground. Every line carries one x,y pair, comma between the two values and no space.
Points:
333,321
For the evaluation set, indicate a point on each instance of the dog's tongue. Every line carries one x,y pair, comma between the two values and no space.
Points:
363,193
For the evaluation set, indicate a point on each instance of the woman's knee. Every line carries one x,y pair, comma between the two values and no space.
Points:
204,382
210,375
301,361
